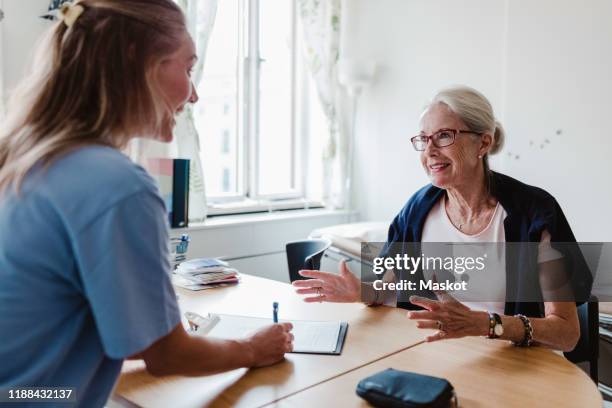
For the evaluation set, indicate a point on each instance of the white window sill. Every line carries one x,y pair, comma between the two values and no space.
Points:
254,206
224,221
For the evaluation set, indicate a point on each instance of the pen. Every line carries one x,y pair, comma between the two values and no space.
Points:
275,312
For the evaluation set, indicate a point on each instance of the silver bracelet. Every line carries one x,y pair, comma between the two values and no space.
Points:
528,338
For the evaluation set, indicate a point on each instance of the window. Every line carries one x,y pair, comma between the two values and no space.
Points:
249,95
226,180
276,98
225,144
217,114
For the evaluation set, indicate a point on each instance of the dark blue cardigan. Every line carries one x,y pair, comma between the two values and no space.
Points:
530,210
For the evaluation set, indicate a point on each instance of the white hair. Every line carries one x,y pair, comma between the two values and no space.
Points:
475,111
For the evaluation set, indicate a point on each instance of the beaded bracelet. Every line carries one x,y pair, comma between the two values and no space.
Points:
528,339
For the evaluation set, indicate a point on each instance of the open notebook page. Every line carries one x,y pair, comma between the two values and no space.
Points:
310,336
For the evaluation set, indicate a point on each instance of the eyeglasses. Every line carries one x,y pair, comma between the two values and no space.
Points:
442,138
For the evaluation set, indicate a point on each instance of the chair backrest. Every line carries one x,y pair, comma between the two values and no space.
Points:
305,254
587,348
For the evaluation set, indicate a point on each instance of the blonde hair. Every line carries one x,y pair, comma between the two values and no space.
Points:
91,83
476,112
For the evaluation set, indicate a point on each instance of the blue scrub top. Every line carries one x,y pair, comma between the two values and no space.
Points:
84,273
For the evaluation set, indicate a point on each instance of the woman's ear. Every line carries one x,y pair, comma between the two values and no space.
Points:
486,143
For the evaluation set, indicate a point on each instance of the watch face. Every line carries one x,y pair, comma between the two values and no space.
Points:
499,329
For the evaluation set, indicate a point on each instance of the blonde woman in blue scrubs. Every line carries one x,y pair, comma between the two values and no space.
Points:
84,269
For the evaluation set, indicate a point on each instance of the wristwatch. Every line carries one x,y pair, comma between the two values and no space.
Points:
496,328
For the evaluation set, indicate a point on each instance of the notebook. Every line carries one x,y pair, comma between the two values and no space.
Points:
310,337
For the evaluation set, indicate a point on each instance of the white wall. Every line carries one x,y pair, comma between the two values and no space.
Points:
21,27
559,77
419,46
257,246
1,58
545,65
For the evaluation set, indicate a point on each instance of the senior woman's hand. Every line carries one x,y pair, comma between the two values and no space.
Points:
452,318
329,287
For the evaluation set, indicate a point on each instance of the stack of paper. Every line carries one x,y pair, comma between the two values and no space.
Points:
204,273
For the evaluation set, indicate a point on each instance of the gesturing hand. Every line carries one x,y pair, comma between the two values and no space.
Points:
329,287
452,318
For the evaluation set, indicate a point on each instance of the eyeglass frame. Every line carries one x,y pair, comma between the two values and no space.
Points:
454,132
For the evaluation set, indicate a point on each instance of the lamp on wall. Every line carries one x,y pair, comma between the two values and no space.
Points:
354,75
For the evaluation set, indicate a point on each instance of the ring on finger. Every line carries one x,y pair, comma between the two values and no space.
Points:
321,295
440,325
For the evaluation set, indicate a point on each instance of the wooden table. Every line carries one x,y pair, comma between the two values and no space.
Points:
372,334
484,373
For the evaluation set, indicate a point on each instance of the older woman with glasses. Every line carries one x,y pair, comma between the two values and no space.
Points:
466,202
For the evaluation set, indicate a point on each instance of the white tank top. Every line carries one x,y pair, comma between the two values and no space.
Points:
439,228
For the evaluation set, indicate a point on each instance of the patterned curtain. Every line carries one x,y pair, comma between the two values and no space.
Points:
320,20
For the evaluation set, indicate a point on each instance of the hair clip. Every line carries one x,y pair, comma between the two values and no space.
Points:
69,13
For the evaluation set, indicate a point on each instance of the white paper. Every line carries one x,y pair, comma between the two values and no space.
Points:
309,336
